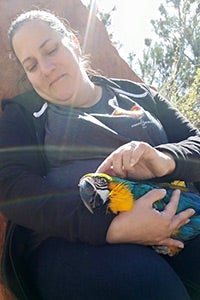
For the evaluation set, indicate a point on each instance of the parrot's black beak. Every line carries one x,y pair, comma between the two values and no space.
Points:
89,194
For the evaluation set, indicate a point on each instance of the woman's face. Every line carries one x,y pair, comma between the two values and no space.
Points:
50,61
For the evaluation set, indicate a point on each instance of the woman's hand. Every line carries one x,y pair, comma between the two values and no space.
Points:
147,226
139,161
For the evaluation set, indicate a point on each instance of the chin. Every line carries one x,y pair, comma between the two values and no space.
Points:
63,101
59,98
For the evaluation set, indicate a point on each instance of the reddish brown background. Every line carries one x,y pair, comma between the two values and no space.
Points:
104,56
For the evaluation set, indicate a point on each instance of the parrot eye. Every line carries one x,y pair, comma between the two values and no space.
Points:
100,182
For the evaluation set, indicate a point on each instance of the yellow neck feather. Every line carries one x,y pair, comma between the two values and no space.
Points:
121,198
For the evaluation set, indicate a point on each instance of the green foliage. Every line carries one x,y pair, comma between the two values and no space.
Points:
171,62
192,100
106,19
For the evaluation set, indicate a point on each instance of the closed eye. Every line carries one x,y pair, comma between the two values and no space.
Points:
52,51
31,68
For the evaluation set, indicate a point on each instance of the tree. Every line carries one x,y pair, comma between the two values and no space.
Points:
171,62
189,104
175,53
105,17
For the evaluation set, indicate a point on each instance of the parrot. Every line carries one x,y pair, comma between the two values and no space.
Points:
100,191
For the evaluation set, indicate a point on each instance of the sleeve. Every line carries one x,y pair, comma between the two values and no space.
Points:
27,199
183,141
183,138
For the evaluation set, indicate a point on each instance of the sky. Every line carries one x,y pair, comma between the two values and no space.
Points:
131,22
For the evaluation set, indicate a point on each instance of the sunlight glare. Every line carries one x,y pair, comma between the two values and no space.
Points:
93,10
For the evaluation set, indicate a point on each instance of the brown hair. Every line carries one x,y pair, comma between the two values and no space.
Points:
62,26
53,21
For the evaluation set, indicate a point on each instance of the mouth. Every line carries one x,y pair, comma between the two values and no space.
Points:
56,79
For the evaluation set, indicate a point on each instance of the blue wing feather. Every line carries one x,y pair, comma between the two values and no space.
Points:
187,200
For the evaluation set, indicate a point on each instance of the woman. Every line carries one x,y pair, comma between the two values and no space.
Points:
68,125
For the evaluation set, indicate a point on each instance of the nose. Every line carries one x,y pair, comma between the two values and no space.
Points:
46,66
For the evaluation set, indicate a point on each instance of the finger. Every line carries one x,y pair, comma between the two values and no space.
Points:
118,165
153,196
113,166
105,165
171,207
137,153
182,218
172,242
126,157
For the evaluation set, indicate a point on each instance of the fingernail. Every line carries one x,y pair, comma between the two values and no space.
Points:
187,221
181,246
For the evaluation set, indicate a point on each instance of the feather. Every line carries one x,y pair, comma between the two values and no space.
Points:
116,195
120,196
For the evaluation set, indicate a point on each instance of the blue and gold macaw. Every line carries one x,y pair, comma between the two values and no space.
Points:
102,191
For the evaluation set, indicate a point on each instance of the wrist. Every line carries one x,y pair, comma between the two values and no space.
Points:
119,229
171,163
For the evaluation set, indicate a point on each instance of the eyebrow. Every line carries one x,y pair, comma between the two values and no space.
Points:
40,47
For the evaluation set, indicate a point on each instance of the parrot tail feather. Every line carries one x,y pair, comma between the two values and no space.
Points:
165,250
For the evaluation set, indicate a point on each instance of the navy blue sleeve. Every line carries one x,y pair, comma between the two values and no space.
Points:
183,140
